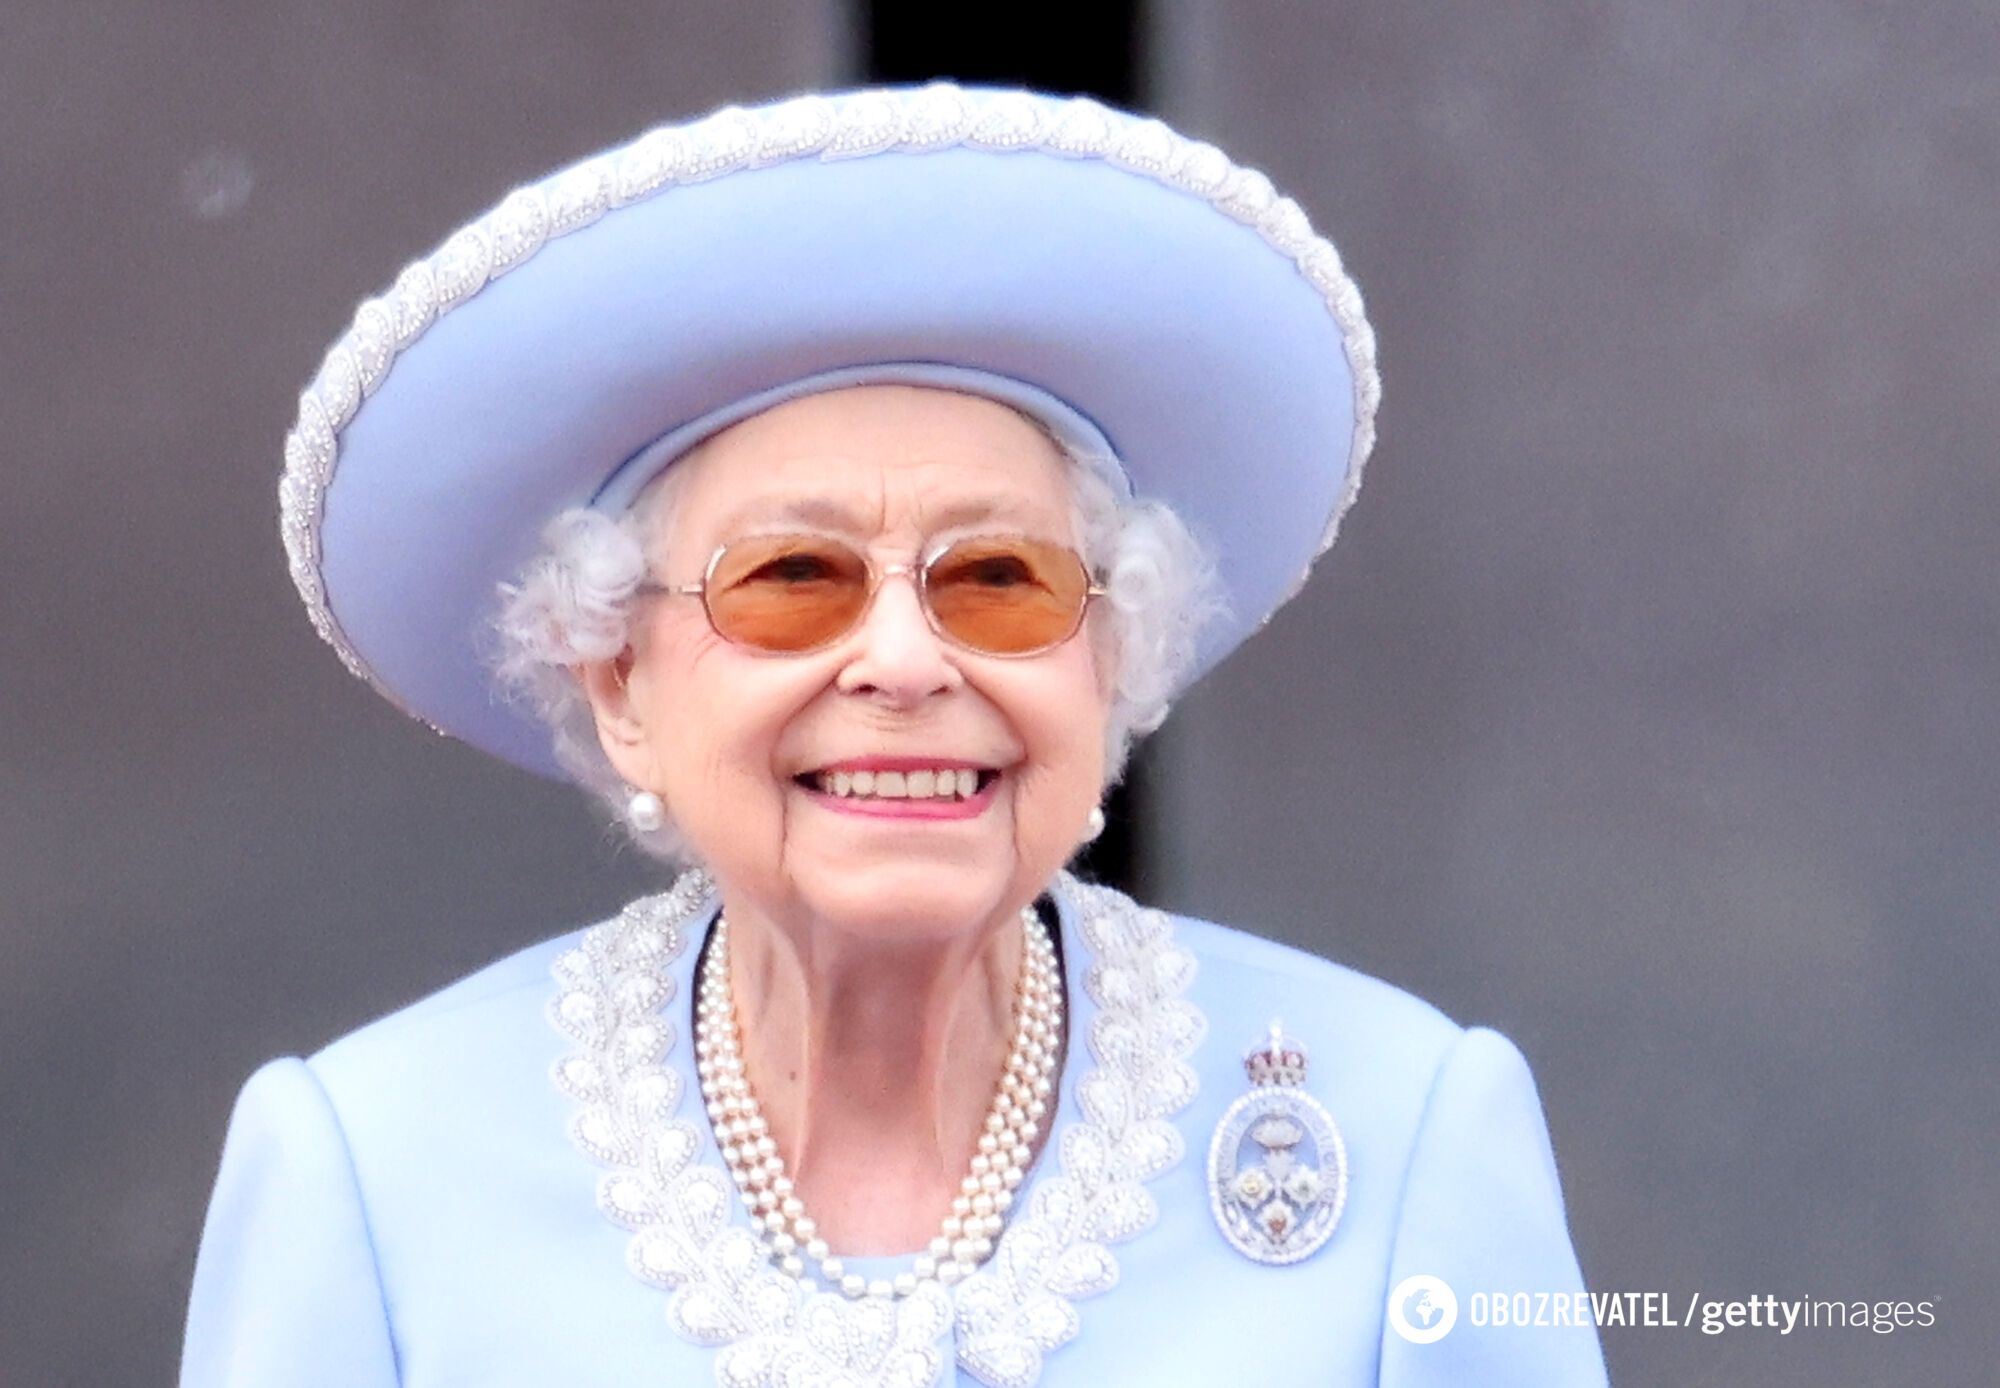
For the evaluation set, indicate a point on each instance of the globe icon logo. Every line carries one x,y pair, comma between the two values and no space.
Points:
1420,1310
1423,1309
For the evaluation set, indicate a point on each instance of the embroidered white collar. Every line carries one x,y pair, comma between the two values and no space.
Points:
666,1185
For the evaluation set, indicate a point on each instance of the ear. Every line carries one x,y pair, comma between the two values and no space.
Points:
621,728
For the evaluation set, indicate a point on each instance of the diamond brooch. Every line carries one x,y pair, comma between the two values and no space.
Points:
1277,1168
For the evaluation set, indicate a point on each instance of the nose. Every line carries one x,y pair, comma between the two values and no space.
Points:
896,657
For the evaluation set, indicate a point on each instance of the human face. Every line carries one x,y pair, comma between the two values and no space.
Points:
744,746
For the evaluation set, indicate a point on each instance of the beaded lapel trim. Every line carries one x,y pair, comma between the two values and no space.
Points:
614,989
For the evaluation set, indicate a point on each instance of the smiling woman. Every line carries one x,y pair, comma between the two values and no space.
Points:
874,763
850,601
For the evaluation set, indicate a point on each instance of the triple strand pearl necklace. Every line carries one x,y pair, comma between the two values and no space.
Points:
1006,1142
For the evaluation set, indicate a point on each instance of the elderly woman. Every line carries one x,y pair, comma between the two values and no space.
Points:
892,458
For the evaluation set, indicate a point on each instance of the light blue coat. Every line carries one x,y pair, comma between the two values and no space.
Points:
408,1206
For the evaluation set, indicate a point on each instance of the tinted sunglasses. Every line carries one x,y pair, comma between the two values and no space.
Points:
789,594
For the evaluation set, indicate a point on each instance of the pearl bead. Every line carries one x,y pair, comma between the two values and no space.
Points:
882,1287
853,1286
831,1268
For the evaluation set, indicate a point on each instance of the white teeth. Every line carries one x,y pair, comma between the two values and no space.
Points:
944,783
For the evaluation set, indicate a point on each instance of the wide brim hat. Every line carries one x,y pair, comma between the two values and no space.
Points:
1131,287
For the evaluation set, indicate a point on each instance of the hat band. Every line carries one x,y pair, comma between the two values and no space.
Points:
1070,428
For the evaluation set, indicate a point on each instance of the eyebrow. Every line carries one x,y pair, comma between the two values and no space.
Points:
826,513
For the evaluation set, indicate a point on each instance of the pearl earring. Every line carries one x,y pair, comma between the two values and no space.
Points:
1095,824
645,811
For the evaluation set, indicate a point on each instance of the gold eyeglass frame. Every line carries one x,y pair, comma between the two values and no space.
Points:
919,575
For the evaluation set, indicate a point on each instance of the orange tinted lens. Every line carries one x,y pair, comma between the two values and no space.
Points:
786,592
1007,596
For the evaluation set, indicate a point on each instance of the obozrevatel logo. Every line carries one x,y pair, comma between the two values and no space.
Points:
1423,1308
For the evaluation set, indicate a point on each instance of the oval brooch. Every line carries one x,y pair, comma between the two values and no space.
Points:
1277,1168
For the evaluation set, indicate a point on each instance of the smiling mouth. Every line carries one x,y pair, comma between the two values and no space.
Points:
948,784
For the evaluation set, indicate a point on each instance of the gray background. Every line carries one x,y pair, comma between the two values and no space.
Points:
1645,711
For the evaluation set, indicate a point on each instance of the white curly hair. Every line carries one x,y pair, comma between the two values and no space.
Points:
573,605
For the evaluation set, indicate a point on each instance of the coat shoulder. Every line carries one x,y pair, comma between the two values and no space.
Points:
449,1030
1374,1051
1250,981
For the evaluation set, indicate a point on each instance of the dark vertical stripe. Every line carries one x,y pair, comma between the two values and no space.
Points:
1092,49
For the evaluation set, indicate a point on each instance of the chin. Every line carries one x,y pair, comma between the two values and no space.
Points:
915,900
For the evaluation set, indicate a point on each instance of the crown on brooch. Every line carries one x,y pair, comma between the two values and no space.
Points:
1276,1060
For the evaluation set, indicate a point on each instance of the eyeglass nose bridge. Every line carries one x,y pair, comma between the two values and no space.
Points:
918,572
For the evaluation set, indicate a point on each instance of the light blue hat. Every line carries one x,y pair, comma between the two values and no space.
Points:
1136,291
